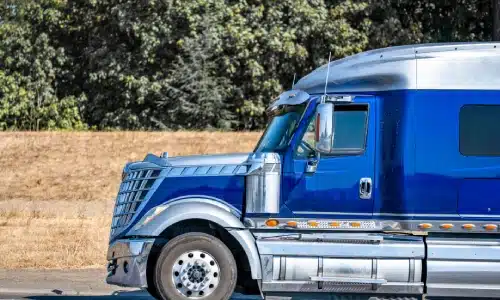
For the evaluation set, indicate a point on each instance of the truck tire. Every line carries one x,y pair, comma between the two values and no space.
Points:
153,292
195,265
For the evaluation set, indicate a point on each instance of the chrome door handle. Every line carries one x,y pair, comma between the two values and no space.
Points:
365,188
312,165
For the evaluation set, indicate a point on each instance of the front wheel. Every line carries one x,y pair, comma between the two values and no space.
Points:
195,266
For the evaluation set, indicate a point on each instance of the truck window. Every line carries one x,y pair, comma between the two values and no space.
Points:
479,130
350,123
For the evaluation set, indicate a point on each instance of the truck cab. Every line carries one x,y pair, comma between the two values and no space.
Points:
377,175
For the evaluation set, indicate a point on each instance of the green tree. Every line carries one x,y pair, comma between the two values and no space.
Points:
32,71
398,22
133,47
173,64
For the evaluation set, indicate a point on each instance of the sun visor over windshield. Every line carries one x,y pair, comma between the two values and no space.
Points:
293,97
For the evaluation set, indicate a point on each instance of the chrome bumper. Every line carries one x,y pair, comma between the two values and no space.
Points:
127,262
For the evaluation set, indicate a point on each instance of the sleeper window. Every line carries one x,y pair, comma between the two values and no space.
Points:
480,130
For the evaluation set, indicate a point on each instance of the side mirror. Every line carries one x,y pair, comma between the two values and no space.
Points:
324,128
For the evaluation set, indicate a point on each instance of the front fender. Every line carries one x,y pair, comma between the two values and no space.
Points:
213,210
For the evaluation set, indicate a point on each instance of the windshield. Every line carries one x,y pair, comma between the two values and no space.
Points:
280,129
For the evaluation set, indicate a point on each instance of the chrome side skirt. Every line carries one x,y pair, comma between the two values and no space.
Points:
344,263
378,264
463,268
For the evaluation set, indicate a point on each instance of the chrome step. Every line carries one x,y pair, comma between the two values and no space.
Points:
281,296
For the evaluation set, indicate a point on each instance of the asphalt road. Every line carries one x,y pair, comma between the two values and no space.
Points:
90,284
126,295
67,284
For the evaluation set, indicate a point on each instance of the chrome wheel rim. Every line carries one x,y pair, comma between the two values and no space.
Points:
196,274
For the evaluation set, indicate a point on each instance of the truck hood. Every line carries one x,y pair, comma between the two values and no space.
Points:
203,160
152,161
220,177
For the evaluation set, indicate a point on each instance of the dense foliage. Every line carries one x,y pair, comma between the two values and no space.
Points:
172,64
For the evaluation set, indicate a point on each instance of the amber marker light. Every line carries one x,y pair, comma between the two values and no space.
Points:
490,227
446,226
425,226
291,224
272,223
468,226
335,224
356,224
313,223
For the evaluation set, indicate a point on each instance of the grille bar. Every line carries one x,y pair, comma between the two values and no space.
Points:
132,192
149,177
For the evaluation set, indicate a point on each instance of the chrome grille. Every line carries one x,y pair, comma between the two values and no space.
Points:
133,191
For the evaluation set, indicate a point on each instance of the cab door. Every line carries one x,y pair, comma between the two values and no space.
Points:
341,184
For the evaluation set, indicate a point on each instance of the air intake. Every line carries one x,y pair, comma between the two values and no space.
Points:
133,191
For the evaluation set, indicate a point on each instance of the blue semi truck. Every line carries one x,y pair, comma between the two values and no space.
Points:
378,176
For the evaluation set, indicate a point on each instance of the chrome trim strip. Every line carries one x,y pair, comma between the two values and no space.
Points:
480,216
349,280
394,214
388,249
416,215
330,213
372,225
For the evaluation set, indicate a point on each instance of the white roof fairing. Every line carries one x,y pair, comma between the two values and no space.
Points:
467,66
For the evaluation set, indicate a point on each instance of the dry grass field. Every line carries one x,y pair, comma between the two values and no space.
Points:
57,189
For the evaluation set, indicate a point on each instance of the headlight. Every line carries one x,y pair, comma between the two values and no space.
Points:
150,215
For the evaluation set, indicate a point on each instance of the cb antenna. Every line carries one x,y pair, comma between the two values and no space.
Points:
293,82
328,71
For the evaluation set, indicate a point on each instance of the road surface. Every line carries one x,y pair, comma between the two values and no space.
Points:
67,284
90,284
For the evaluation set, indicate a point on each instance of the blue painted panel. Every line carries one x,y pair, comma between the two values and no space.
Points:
229,189
394,159
479,196
334,187
418,168
442,181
